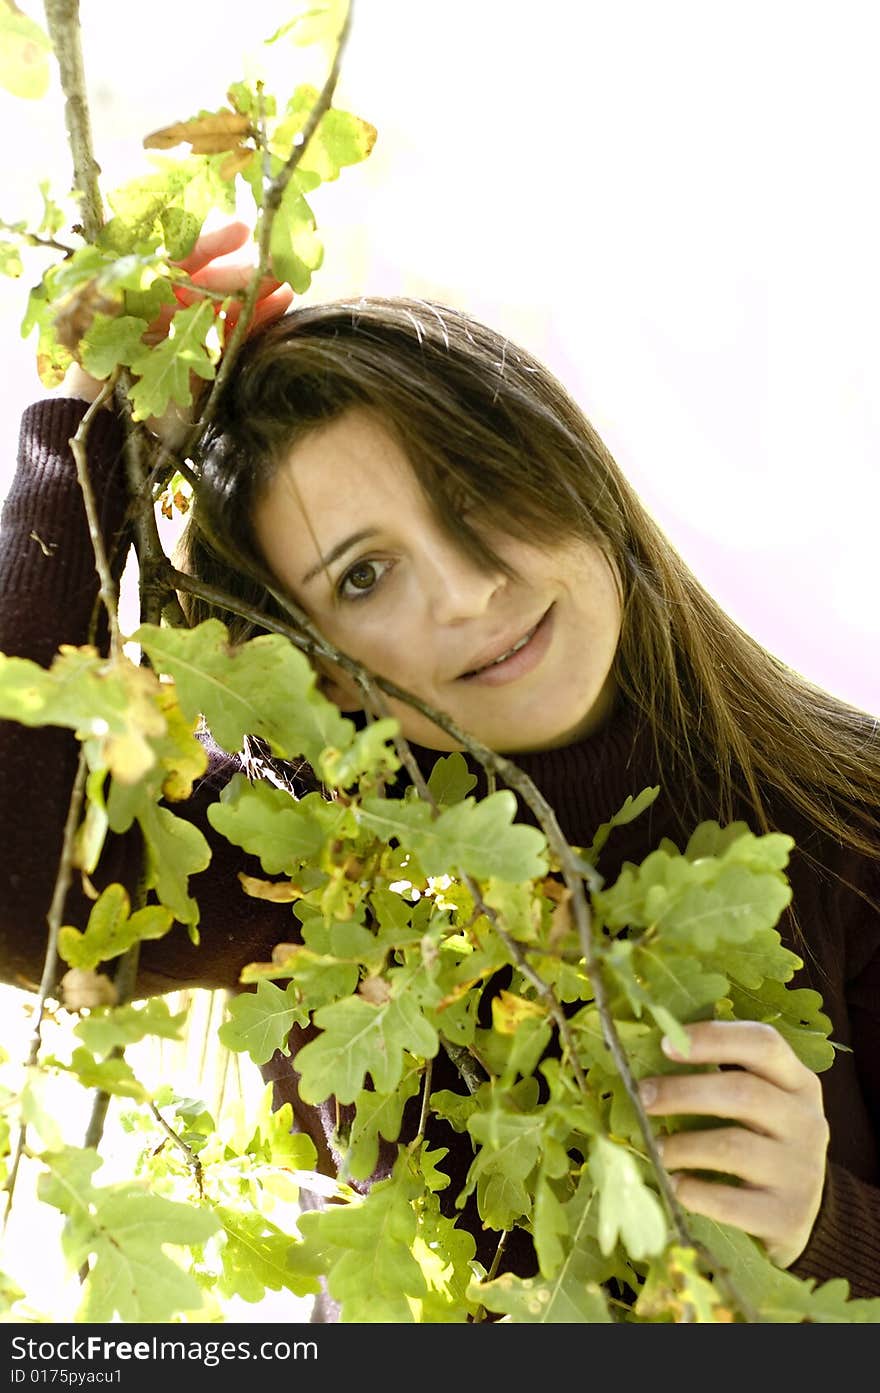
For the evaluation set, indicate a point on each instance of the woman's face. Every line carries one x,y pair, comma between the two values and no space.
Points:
520,664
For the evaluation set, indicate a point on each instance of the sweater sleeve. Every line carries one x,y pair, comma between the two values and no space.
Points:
48,590
845,1241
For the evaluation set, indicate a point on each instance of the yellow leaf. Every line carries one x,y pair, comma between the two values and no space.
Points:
509,1012
281,891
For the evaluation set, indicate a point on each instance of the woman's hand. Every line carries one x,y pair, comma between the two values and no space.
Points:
776,1147
217,263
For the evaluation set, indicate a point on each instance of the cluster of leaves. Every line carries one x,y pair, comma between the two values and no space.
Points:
394,955
419,925
97,304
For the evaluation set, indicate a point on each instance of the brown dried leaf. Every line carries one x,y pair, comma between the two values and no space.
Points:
375,990
75,314
561,921
82,987
208,135
236,162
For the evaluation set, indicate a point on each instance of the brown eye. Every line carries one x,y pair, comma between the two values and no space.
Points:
361,580
362,576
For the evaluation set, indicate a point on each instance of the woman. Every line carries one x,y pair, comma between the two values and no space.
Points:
444,513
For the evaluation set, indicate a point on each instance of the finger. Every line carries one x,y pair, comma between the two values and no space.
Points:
754,1210
731,1150
223,240
752,1045
268,308
224,280
735,1093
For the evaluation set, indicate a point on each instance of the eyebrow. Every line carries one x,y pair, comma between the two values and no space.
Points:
335,552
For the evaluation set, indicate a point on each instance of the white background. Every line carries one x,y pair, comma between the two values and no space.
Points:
674,205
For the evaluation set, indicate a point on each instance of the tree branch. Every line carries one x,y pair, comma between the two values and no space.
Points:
62,19
271,202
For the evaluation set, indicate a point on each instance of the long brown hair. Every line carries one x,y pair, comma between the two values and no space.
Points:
494,437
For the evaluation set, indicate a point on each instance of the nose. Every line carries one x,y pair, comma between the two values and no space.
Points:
456,586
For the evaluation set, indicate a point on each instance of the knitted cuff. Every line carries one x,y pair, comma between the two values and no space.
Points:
44,518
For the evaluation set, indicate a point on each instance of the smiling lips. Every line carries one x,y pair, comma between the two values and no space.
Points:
516,659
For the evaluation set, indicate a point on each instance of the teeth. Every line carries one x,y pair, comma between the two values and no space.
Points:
510,652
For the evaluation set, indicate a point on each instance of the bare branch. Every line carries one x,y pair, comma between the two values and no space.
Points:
62,19
47,982
109,592
271,203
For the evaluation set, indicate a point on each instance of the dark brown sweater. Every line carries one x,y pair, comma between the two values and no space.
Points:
47,593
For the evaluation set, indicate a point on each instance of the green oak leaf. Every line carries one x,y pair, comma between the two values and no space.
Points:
510,1147
377,1114
320,23
371,755
39,1110
751,963
451,780
295,248
112,341
673,987
340,138
445,1253
263,687
366,1249
122,1231
632,808
111,929
255,1254
24,54
628,1210
549,1227
736,844
10,260
114,1076
163,370
275,1140
358,1038
454,1108
175,849
778,1296
107,1027
796,1013
537,1301
479,838
282,831
676,1290
260,1021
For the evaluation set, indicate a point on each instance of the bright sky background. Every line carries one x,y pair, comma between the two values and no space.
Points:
674,205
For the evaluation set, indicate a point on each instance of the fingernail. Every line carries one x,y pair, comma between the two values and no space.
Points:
648,1092
669,1049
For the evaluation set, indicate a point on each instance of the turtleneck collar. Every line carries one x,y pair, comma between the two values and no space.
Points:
589,780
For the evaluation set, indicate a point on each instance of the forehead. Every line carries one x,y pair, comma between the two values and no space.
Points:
349,474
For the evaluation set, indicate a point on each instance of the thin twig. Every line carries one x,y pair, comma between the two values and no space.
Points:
423,1115
33,239
480,1313
109,592
192,1159
47,982
62,18
271,203
464,1063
